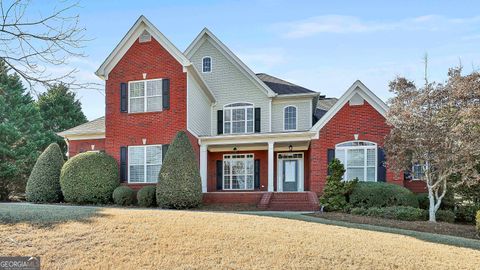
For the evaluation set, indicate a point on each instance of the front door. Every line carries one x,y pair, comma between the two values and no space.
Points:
290,175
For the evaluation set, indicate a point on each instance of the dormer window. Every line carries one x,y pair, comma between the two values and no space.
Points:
206,64
290,118
238,118
145,37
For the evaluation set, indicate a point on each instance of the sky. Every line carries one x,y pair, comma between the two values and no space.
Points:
321,45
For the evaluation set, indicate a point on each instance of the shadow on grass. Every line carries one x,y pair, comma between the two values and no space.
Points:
424,236
43,215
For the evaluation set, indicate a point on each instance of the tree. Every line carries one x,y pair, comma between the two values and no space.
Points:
437,125
60,110
179,185
335,193
43,185
22,136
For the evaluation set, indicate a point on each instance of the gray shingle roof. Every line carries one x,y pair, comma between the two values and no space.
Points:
282,87
93,127
323,105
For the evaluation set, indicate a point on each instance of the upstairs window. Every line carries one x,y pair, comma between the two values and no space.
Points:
238,118
145,96
207,64
144,163
359,159
290,118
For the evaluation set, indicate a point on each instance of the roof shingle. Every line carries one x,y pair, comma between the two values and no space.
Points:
93,127
282,87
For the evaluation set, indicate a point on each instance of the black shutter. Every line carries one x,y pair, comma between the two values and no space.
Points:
258,116
256,174
123,97
123,164
164,151
382,166
219,174
220,122
166,94
330,157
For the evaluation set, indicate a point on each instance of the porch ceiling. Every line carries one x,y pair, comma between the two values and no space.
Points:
280,146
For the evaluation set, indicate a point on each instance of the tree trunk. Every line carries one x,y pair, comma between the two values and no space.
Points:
431,208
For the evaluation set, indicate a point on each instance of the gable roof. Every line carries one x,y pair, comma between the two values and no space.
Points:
96,126
357,88
323,106
282,87
132,35
202,36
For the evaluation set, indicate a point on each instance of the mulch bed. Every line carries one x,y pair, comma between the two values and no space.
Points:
460,230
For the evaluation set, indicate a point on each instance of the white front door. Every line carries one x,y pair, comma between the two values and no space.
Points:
290,172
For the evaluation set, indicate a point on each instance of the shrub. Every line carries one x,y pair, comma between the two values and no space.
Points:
336,192
393,212
466,213
478,222
377,194
423,201
89,178
179,185
146,196
445,216
43,185
123,195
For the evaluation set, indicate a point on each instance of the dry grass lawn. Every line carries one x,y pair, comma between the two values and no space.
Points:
153,239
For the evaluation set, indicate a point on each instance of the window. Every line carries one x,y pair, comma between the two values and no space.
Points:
206,64
418,171
144,163
238,171
145,96
290,118
359,159
238,118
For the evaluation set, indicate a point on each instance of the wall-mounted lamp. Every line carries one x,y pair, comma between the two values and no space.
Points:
93,147
235,149
290,148
144,141
355,136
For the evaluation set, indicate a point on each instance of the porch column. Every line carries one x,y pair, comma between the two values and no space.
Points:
270,166
203,167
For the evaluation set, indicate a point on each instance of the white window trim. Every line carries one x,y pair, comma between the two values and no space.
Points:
296,118
365,147
211,64
231,171
231,117
413,172
145,97
144,162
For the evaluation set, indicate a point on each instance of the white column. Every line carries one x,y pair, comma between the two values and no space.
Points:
270,166
203,167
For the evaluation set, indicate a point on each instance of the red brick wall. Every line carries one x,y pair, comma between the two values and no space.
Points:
79,146
416,186
363,120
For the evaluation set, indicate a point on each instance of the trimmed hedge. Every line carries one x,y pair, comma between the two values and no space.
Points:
146,196
393,212
478,222
179,185
43,185
377,194
89,178
123,196
445,216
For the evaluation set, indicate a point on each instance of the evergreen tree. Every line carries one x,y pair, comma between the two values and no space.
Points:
22,136
335,193
60,110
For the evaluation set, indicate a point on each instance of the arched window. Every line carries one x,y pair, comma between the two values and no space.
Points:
206,64
359,159
290,118
238,118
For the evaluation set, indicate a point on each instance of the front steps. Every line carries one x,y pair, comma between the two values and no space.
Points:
289,201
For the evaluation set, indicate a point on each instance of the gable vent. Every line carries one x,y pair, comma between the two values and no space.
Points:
145,37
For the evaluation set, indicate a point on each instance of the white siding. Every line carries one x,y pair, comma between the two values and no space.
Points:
230,85
304,114
198,107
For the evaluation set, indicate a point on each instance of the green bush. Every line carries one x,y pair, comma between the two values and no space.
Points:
123,196
89,178
466,213
392,212
378,194
336,192
478,222
43,185
423,201
445,216
179,185
146,196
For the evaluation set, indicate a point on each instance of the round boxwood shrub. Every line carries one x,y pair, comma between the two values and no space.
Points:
89,178
179,185
43,185
124,196
377,194
146,196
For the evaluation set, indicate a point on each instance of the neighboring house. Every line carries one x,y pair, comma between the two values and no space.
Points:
258,139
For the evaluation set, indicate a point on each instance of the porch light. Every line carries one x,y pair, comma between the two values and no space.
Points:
144,141
235,149
290,148
355,136
93,147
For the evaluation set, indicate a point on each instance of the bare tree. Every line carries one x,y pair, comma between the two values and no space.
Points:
438,126
34,45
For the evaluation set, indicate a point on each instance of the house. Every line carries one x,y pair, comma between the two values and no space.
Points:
258,139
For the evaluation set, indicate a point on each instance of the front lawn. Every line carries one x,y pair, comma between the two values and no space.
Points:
118,238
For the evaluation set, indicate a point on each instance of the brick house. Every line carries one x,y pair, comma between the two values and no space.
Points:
259,139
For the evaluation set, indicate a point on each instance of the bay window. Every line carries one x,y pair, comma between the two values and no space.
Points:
145,96
238,118
359,159
238,172
144,163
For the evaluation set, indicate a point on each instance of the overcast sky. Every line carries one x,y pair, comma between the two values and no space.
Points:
321,45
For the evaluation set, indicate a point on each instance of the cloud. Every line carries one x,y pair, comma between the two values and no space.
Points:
341,24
